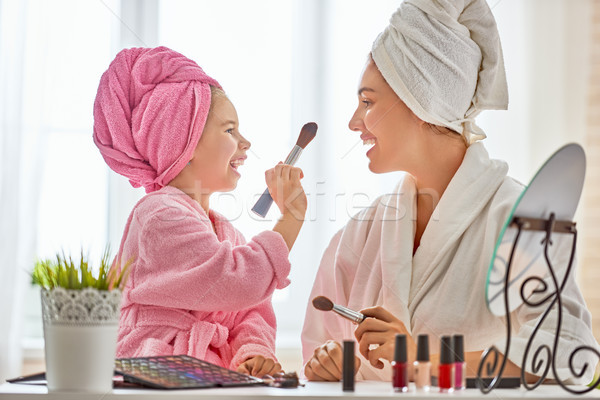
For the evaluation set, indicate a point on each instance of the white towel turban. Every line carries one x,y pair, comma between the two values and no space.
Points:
443,58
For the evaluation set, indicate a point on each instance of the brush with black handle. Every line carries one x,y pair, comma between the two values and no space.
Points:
307,134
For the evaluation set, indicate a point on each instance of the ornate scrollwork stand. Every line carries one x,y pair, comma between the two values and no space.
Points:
544,357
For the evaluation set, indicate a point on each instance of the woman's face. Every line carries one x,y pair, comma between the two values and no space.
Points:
387,126
220,150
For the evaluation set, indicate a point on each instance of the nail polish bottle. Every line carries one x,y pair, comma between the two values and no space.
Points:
348,366
446,372
400,365
422,364
460,370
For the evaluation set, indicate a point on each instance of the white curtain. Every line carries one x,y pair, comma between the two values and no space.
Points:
19,161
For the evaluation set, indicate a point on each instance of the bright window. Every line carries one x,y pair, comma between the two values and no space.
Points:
283,63
65,56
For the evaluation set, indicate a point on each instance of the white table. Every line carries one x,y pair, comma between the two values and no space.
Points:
312,390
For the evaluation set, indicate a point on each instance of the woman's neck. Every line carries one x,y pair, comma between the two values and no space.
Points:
443,160
444,157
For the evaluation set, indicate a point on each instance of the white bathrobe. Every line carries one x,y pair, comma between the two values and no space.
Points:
441,289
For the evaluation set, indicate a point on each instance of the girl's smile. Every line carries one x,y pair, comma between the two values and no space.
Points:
236,163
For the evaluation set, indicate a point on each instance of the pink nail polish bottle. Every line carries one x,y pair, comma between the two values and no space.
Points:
460,370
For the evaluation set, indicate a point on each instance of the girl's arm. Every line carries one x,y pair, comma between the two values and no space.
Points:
182,264
253,334
288,227
284,186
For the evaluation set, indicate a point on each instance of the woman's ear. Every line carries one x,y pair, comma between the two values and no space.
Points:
422,125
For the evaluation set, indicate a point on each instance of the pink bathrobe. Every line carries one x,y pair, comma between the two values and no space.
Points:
195,292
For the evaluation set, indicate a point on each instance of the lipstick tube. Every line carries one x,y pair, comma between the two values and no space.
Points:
422,366
400,365
348,366
460,370
446,371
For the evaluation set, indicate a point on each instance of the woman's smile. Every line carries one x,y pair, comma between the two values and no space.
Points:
368,140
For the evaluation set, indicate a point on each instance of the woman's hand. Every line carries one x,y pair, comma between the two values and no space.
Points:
381,328
326,363
286,190
259,366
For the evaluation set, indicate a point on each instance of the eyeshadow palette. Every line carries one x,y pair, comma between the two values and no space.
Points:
180,372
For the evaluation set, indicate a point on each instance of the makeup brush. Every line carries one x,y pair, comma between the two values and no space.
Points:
307,134
324,304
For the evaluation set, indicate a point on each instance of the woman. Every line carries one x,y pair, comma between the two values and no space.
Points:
418,258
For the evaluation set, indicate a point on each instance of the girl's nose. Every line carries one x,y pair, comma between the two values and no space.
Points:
244,143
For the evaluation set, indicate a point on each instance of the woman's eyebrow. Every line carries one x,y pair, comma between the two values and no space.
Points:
364,89
228,122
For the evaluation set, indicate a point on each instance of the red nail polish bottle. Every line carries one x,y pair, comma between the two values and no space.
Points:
446,373
400,365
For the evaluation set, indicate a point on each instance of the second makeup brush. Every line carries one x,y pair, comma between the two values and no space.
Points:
324,304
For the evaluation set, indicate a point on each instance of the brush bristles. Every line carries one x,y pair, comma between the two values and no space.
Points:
322,303
308,133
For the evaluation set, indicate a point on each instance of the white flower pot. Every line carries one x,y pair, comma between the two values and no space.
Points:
80,334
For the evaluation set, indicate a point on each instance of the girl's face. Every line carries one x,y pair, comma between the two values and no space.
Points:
220,150
387,125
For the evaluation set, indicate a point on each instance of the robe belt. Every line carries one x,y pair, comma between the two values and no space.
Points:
193,337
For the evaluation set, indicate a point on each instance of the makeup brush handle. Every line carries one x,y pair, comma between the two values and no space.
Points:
294,155
347,313
263,204
265,200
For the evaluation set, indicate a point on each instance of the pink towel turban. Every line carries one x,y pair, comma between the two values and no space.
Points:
149,114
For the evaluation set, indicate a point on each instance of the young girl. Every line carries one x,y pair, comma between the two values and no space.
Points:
196,286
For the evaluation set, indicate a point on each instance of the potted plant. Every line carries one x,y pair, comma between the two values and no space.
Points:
80,311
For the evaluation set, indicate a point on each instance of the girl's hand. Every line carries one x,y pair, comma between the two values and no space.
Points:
259,366
326,363
284,186
380,329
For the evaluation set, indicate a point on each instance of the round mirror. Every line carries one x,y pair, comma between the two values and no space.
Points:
555,188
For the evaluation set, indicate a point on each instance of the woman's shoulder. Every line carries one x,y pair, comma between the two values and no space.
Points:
509,191
505,198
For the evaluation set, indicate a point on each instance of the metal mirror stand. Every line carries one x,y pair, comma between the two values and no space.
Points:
544,357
